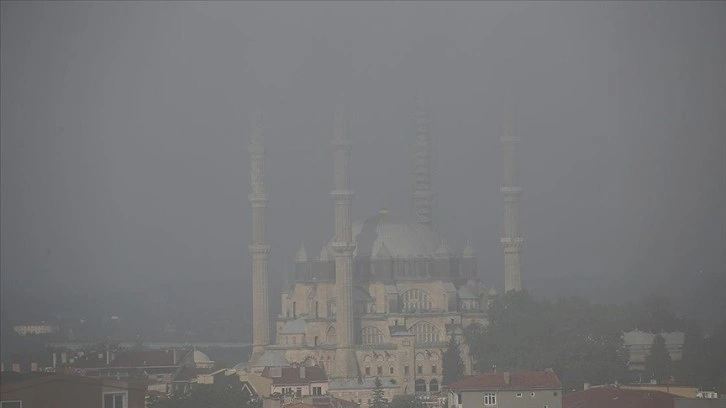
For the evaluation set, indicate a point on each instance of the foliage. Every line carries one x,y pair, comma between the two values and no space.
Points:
658,361
218,395
704,358
379,401
580,341
406,401
453,365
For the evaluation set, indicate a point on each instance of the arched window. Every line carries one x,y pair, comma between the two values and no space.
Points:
415,300
425,332
371,335
420,385
316,341
330,337
434,385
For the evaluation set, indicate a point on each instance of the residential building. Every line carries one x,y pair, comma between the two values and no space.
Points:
299,381
42,390
507,389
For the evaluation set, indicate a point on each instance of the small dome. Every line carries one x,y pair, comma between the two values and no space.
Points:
196,358
200,357
271,359
325,253
301,255
442,251
468,251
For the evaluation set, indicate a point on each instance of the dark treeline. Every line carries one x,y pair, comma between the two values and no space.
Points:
583,342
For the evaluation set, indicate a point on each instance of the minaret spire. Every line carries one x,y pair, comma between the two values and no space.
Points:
422,194
346,363
511,241
259,249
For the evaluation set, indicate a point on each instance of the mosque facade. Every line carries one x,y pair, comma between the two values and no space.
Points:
383,297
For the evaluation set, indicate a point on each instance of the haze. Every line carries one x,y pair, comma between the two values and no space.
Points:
125,126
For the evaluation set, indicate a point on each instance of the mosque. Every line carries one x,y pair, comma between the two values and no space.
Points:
385,294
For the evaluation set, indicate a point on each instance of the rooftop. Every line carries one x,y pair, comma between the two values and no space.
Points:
612,397
294,375
508,380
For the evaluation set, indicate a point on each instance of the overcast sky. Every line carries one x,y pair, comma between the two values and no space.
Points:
125,127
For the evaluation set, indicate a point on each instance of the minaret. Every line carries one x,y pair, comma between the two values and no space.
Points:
346,363
259,250
422,194
511,241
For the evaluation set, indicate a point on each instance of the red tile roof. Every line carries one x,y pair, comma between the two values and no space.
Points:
328,401
298,405
611,397
508,380
291,375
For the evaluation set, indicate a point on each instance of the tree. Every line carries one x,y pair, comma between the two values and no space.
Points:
453,365
580,341
658,361
406,401
218,395
379,401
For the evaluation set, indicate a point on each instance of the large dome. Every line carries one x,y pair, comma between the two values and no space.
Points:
384,235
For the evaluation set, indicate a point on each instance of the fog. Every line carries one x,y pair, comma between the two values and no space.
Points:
125,125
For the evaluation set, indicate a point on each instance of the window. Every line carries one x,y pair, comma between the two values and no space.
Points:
330,337
415,300
420,385
490,398
317,390
554,393
419,369
379,370
434,385
531,394
433,369
298,392
11,404
371,335
519,395
425,332
390,370
405,370
459,399
112,400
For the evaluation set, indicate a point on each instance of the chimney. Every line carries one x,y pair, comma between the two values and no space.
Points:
586,386
16,367
302,372
506,377
33,367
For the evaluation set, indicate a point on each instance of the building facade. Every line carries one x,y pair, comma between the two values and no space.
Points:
382,297
507,389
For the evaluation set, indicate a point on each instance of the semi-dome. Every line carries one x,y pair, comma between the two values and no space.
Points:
196,358
271,359
386,234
